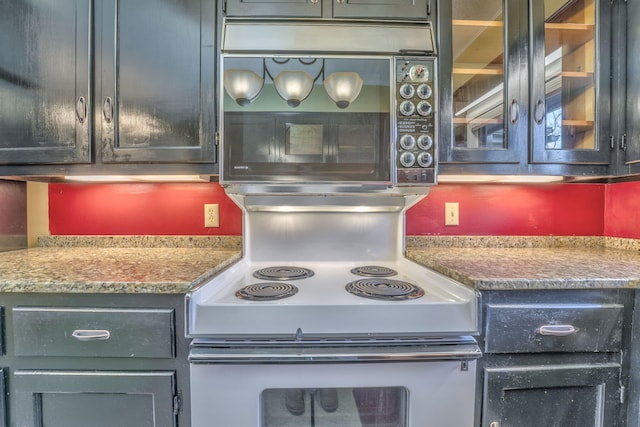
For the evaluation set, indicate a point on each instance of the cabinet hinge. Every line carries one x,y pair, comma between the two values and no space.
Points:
216,139
177,404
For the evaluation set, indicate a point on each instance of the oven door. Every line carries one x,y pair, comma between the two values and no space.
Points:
404,386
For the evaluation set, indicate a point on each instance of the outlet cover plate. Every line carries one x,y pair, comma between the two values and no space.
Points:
211,215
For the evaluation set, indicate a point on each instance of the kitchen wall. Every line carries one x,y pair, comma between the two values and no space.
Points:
13,215
485,209
622,205
139,208
517,210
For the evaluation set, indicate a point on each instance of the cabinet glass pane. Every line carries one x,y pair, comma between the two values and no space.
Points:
478,73
569,33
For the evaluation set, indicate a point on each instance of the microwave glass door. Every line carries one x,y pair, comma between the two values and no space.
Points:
306,119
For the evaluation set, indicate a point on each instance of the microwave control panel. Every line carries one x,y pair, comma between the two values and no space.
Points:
415,145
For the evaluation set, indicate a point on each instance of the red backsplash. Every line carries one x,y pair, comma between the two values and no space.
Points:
485,209
622,204
512,210
138,209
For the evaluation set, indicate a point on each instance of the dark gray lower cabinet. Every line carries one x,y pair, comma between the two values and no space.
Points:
94,360
97,399
3,410
555,358
551,395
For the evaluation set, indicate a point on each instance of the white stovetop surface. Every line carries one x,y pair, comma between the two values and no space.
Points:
327,285
322,306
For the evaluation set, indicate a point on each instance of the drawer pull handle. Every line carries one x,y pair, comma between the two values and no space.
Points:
91,334
557,330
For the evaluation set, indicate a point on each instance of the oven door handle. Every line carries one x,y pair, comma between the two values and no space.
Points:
241,355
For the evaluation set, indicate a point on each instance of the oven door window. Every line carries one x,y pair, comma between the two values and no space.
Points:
344,407
267,137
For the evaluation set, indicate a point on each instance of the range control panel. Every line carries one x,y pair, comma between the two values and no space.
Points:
416,121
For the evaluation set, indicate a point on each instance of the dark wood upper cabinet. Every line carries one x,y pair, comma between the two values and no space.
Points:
45,92
131,81
526,86
155,71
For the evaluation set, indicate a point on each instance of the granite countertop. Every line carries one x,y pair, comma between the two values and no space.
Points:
173,265
116,264
539,263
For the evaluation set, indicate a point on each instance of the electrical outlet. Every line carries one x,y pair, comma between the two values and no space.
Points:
451,214
211,215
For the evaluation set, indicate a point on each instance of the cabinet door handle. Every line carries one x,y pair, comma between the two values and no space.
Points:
540,109
91,334
81,109
514,111
557,330
494,424
107,109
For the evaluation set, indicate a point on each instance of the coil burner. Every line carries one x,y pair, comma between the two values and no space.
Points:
283,273
373,271
267,291
384,289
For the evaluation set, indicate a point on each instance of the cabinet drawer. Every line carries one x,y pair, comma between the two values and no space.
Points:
93,332
531,328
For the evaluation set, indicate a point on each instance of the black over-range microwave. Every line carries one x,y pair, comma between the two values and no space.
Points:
300,115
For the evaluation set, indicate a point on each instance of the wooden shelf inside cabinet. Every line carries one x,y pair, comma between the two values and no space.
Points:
463,121
462,75
476,71
483,40
579,125
577,79
476,23
567,34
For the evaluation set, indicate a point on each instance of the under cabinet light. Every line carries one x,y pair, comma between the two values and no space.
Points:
504,179
137,178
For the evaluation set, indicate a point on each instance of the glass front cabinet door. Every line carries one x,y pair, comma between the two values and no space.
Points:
481,83
525,77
